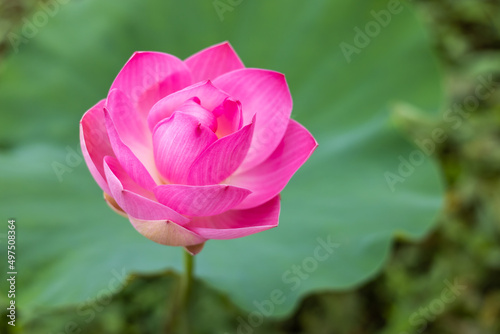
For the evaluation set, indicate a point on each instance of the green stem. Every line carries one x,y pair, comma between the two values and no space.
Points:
187,279
178,320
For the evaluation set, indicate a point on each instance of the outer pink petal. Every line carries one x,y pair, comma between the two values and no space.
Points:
129,161
169,234
265,94
95,143
222,158
131,127
209,96
238,223
147,77
177,142
270,177
214,61
136,202
200,200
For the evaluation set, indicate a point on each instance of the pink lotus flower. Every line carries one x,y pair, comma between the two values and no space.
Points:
196,149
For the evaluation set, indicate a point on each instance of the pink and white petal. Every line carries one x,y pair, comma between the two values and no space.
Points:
135,201
192,107
209,96
126,182
222,158
131,127
200,200
265,94
177,142
114,206
95,143
147,77
229,117
214,61
238,223
135,168
168,233
270,177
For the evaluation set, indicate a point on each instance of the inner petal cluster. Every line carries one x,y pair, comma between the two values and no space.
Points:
187,123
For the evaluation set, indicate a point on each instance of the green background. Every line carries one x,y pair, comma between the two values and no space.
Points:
71,246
